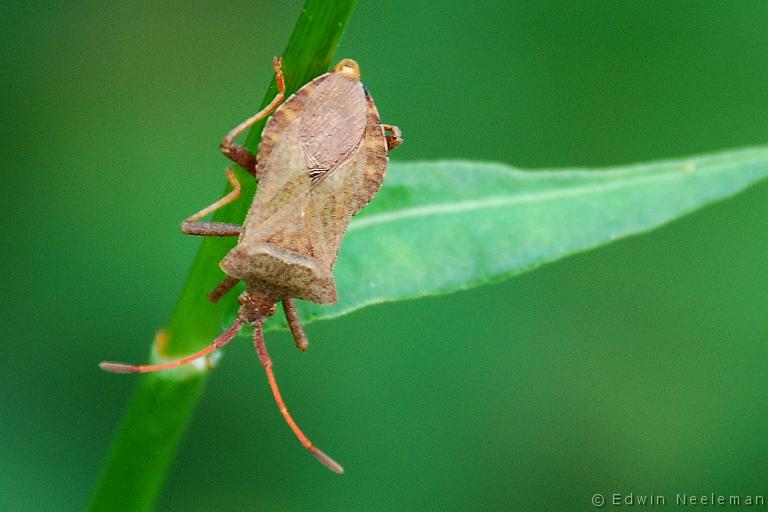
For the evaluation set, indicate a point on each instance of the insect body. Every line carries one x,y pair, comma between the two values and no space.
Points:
322,157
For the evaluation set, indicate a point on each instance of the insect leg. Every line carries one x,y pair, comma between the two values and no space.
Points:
266,361
219,342
239,154
191,226
227,284
395,138
292,317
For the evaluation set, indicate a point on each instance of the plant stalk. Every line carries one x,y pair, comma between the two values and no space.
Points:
158,413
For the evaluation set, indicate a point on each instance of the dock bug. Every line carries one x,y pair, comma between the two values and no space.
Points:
322,157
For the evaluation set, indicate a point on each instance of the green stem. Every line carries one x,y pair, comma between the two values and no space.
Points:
160,409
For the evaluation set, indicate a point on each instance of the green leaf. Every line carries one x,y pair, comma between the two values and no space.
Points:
436,227
161,407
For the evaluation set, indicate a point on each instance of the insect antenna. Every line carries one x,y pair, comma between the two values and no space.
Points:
219,342
266,361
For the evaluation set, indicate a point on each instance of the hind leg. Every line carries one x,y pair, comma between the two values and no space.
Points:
394,138
240,154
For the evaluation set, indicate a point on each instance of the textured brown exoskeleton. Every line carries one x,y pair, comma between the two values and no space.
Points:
322,157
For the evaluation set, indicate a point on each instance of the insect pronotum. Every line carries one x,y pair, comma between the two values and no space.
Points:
321,159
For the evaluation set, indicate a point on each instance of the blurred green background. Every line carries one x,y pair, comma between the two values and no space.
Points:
637,368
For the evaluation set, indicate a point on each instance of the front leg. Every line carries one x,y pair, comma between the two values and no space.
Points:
292,318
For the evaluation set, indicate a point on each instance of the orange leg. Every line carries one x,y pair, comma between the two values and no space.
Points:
239,154
266,361
191,226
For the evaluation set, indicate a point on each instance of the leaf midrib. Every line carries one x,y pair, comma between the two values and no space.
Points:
512,199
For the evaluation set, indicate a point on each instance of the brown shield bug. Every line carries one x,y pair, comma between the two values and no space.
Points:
321,159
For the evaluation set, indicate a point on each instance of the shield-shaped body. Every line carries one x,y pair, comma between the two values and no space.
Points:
322,157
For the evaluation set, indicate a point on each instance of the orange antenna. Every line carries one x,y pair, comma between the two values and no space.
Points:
219,342
266,361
